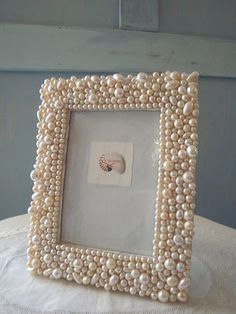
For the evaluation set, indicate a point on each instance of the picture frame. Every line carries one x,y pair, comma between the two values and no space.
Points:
164,274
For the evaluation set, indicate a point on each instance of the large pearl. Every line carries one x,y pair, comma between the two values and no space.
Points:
57,273
169,264
168,165
110,264
192,151
113,280
92,266
172,84
172,281
163,296
188,108
144,278
184,283
188,177
178,239
119,92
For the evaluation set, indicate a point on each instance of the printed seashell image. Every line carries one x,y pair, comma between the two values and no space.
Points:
112,161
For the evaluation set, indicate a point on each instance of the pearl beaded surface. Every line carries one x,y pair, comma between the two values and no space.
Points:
165,276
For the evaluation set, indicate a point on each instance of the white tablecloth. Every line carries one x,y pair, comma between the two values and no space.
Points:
213,287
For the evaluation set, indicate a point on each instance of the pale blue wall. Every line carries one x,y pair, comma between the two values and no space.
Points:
19,100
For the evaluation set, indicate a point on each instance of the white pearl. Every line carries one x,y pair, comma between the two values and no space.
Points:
92,98
168,165
163,295
36,196
166,193
47,223
188,215
192,91
135,273
172,281
94,279
47,258
182,154
48,201
189,225
169,264
36,239
119,92
144,278
193,77
141,77
35,263
77,278
172,84
188,108
178,239
159,267
33,175
178,123
78,263
188,177
192,151
60,84
86,280
113,280
57,273
118,77
47,272
110,264
180,198
71,257
180,267
92,266
184,283
50,117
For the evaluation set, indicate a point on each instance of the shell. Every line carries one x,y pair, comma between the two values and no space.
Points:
112,161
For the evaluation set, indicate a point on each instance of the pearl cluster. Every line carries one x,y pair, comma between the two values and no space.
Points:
166,275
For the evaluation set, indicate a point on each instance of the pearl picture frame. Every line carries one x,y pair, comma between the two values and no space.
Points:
164,276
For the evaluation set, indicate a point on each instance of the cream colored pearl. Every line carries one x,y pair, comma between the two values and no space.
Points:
135,273
169,264
182,296
57,273
184,283
172,84
178,239
35,263
172,281
78,263
168,165
166,193
141,77
110,264
119,92
86,280
188,177
92,266
188,108
163,296
144,278
113,280
192,151
94,279
50,117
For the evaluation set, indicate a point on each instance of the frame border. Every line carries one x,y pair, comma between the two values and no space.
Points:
166,275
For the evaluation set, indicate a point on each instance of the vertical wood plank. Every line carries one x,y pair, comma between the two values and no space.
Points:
139,15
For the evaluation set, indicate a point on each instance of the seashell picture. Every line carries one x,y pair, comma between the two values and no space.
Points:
112,162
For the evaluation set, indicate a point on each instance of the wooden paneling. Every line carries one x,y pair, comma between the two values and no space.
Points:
139,15
48,48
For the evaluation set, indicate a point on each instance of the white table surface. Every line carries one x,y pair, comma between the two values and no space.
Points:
213,286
